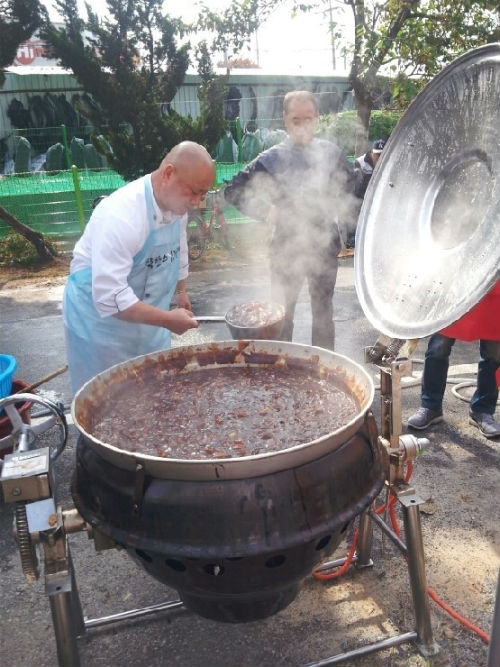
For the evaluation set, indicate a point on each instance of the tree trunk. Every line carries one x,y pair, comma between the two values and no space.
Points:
364,107
43,250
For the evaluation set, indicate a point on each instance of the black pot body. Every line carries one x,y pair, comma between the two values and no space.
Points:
235,549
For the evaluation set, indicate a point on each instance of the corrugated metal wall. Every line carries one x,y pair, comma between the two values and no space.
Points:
23,87
259,97
251,96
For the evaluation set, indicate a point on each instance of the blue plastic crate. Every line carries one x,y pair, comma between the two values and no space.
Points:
8,366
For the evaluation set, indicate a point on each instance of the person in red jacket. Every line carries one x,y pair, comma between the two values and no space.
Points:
481,323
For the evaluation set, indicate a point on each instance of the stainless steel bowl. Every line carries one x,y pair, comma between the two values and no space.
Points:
271,330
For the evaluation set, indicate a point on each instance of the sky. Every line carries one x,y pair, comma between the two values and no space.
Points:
283,44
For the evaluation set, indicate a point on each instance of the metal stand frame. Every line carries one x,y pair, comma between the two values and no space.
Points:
400,450
70,624
54,525
68,619
414,554
60,585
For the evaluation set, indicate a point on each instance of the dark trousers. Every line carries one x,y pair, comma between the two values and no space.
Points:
286,282
436,365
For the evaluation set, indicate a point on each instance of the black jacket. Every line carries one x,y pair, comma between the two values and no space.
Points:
311,187
363,171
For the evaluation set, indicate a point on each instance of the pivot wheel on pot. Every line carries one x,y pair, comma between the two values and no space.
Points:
23,438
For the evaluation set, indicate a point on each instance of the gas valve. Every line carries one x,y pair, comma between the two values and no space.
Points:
410,446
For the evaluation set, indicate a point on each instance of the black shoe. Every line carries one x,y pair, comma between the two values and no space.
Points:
485,423
424,417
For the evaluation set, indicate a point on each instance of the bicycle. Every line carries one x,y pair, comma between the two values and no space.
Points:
203,231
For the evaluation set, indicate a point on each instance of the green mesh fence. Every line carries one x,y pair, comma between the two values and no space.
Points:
42,138
46,201
225,172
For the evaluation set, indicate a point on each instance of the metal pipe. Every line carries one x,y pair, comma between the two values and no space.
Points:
78,196
365,540
385,403
390,534
67,616
494,647
73,521
330,564
210,318
172,606
418,582
61,606
365,650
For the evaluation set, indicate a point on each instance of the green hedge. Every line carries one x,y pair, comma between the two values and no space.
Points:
341,128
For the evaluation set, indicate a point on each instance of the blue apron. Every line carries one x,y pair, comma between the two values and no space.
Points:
94,343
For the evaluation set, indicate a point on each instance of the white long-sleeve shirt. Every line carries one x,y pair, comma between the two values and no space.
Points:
116,231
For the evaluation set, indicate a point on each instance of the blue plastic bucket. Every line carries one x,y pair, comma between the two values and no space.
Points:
8,366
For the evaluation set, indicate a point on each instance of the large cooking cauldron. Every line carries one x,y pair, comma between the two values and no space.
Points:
234,536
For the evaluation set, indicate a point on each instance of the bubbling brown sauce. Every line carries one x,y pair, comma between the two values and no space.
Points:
224,412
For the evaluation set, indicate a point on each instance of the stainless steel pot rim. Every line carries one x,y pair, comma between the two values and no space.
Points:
288,348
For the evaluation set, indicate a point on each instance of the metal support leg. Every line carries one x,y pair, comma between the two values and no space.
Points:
416,568
67,650
67,617
365,540
494,648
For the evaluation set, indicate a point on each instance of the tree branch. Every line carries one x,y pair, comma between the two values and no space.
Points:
42,248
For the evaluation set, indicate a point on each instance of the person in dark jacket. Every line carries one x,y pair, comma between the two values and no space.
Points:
364,166
363,171
303,186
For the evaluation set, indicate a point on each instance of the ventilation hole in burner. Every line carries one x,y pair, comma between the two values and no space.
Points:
323,542
275,561
214,569
175,564
144,555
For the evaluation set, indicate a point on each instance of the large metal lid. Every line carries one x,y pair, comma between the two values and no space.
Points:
428,239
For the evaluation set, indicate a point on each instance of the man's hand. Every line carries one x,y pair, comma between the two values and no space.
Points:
177,320
183,300
180,320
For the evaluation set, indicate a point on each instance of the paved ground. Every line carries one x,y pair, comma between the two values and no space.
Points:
459,476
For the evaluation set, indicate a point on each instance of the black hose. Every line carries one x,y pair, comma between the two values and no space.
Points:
64,407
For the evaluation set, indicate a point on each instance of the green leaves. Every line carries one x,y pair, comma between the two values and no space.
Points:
411,40
132,65
231,29
343,128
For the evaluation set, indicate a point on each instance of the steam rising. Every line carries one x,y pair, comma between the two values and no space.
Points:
303,206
